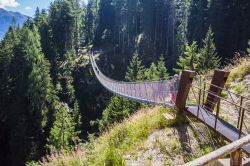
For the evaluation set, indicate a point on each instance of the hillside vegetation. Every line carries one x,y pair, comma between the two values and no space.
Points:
145,138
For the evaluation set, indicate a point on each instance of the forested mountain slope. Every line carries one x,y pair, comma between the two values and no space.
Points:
50,98
6,20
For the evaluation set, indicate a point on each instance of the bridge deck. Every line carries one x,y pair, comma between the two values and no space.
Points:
225,129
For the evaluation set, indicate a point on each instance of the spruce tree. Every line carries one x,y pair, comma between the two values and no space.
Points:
190,59
40,90
162,70
117,109
63,134
135,70
29,96
208,58
152,73
37,14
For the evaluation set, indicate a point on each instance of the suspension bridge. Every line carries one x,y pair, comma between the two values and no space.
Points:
192,96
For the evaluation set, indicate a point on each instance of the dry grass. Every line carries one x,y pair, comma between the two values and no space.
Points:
75,158
240,67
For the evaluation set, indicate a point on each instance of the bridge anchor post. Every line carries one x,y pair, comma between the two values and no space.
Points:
218,81
186,80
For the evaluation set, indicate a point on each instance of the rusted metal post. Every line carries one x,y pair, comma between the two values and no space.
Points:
241,121
236,158
241,102
199,104
183,90
203,94
219,79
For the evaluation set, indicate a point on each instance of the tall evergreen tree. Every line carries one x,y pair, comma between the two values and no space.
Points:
162,70
197,22
152,73
37,14
209,58
64,21
135,70
7,46
190,59
30,98
182,12
63,134
117,109
105,27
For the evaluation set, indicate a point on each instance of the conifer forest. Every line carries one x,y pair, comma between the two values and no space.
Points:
50,99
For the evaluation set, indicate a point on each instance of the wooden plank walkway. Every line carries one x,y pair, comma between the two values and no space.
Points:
225,129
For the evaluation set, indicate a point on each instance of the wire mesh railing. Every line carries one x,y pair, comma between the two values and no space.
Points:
159,92
227,105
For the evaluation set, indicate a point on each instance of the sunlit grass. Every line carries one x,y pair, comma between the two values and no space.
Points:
113,144
240,67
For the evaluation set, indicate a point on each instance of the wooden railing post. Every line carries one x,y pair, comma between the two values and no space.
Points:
183,90
236,158
219,80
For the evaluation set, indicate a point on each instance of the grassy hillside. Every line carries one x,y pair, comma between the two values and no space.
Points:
146,138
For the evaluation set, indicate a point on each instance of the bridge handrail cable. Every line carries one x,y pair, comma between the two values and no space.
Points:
209,92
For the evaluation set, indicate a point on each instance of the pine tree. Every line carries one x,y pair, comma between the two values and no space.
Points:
190,59
64,21
37,15
117,109
30,94
62,134
135,70
152,73
182,12
197,24
162,70
40,90
209,58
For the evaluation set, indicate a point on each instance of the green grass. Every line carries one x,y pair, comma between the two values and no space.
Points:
121,138
239,88
175,144
127,138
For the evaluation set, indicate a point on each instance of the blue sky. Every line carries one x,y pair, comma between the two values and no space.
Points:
26,7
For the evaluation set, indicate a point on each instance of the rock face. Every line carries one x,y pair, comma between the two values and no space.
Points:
170,146
6,19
